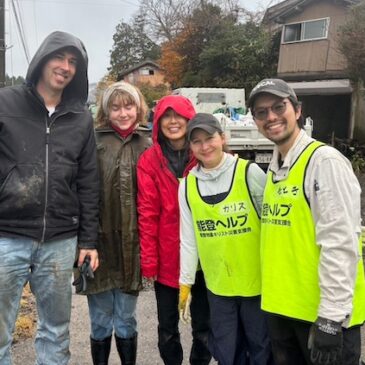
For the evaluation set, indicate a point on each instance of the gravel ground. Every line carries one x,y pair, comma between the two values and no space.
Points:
23,351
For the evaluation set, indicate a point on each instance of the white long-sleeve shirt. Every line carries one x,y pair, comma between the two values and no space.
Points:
334,196
211,182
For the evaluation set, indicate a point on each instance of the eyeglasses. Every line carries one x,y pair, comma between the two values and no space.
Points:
262,113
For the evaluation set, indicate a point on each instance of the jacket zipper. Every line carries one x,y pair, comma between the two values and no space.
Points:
48,131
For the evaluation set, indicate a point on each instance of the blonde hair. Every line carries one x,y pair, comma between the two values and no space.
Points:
118,91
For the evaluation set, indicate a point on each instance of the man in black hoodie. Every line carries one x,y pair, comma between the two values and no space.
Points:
49,192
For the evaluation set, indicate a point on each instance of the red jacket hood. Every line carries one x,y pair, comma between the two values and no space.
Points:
180,104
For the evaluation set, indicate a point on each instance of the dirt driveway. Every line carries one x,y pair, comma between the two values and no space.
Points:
23,351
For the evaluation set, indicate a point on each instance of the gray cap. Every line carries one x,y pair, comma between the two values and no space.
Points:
205,121
276,87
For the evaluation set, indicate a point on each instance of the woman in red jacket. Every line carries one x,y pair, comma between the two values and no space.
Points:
158,172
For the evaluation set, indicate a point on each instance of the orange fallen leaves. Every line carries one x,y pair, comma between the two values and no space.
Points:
26,322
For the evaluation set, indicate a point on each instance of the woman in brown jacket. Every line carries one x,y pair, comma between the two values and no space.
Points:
112,295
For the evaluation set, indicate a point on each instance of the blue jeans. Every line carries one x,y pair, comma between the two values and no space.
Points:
48,268
112,309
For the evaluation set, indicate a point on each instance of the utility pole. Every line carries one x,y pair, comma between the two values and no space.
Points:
2,43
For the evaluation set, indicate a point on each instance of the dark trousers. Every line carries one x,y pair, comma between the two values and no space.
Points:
239,328
168,323
289,339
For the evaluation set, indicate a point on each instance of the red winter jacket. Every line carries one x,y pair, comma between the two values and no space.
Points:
158,207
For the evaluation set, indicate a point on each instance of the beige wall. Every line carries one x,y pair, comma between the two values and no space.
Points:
156,79
317,58
135,77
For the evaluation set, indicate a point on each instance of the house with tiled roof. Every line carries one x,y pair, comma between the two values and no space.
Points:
144,72
310,60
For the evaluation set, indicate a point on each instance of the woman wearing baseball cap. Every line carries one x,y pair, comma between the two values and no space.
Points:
220,201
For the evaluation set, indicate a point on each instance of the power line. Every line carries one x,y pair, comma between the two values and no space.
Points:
19,18
10,46
85,2
35,22
22,25
20,12
2,43
21,31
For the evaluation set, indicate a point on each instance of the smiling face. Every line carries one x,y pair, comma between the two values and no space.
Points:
57,73
121,114
276,118
207,148
173,127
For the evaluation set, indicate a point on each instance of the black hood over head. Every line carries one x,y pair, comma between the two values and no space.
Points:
77,89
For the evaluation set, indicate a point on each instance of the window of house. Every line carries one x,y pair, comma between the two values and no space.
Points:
146,71
305,31
292,32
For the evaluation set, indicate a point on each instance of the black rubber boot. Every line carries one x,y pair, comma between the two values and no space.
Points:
200,354
100,350
127,349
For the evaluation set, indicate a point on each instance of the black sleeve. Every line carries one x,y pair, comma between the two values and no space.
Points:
88,192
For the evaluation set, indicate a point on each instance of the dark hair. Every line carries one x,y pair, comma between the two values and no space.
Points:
296,105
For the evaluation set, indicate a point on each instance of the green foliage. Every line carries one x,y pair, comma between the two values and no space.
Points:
239,56
102,85
202,28
152,93
217,51
14,80
351,38
358,162
206,46
131,46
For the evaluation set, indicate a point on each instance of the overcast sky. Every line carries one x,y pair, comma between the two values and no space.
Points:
93,21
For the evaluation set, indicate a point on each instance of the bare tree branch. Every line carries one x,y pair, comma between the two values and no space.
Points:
165,18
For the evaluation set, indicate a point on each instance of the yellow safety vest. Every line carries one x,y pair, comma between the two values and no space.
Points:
289,252
228,237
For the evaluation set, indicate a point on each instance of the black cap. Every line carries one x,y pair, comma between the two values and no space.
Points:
276,87
207,122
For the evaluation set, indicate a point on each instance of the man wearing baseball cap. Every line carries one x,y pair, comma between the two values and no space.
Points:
312,274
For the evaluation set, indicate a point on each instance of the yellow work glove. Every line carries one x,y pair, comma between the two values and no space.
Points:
184,303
